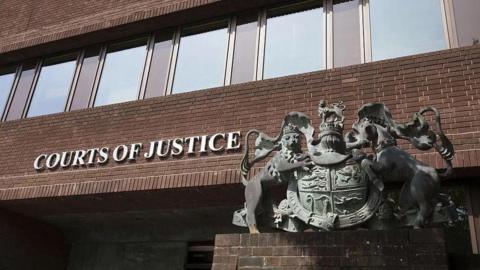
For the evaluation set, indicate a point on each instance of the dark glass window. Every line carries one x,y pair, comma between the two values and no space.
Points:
158,74
21,92
346,33
53,86
122,72
244,54
405,27
467,21
86,79
294,42
201,59
7,76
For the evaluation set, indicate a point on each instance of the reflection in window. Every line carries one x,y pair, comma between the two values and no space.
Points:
245,48
122,73
405,27
21,93
158,74
201,60
86,79
6,81
467,21
346,37
51,92
294,43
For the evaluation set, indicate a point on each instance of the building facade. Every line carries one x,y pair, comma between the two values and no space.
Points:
122,121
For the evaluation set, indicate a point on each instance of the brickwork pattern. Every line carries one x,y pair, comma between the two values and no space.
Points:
46,20
400,249
448,80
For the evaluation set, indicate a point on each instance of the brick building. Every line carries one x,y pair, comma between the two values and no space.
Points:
79,79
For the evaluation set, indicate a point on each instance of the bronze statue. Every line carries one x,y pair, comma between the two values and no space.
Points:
392,164
334,185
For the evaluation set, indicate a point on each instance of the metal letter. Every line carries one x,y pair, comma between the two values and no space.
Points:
36,163
103,155
211,142
91,155
151,151
134,150
78,158
233,140
124,151
177,145
52,164
191,144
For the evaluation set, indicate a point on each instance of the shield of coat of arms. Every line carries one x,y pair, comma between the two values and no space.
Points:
326,187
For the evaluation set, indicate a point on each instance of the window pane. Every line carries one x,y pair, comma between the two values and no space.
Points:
21,93
122,73
157,78
51,92
6,82
294,43
467,21
346,33
405,27
86,79
245,49
201,61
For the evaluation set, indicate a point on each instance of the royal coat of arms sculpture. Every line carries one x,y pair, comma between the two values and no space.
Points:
334,184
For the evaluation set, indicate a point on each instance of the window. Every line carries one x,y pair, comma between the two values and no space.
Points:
201,59
22,91
405,27
346,33
122,72
7,77
467,21
158,75
294,42
86,78
244,57
53,86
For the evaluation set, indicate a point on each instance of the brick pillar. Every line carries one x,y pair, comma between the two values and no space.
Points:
361,249
474,216
27,244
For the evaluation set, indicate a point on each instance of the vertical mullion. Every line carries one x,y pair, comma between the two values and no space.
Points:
73,84
367,31
262,21
362,31
449,23
173,61
146,67
328,33
13,89
232,25
38,69
98,75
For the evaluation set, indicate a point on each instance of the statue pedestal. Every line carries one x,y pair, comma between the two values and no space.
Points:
359,249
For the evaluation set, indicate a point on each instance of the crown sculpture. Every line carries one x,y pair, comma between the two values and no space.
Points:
334,185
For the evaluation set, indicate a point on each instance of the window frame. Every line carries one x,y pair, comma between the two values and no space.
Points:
197,29
101,65
13,87
449,28
38,69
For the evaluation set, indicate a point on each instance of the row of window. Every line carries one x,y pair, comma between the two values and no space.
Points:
280,41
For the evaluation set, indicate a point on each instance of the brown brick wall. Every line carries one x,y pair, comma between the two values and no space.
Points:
448,80
31,22
397,249
31,28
